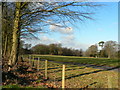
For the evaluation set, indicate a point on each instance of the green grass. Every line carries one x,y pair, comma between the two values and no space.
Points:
80,76
82,60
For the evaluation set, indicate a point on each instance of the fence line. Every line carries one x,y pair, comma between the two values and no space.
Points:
36,64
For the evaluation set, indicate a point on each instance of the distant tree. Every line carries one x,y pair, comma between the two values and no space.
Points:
59,49
92,51
101,44
40,49
53,49
67,52
24,48
110,48
103,53
78,52
81,52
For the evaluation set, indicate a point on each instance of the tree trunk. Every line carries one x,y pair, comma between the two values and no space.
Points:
5,46
15,37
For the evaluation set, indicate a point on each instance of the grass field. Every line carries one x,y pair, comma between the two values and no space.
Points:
80,76
82,60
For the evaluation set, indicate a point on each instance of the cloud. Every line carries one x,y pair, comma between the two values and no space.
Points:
63,30
68,41
68,37
79,45
47,40
42,40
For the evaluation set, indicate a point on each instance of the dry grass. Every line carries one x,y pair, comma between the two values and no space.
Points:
80,77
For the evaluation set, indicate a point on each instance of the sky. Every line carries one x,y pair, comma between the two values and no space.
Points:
104,27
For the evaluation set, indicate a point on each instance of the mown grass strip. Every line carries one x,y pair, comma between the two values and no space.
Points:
82,60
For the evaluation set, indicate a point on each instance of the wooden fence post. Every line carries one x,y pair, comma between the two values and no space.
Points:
29,59
46,69
38,64
63,76
33,61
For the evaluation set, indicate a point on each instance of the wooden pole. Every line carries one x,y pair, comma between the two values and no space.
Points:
46,69
63,76
33,61
38,64
29,59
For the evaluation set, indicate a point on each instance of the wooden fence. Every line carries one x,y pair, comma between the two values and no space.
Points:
35,62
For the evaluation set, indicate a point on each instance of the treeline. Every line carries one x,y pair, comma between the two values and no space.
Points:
108,49
53,49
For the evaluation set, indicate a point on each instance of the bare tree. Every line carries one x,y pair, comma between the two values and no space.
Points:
29,18
7,26
110,48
